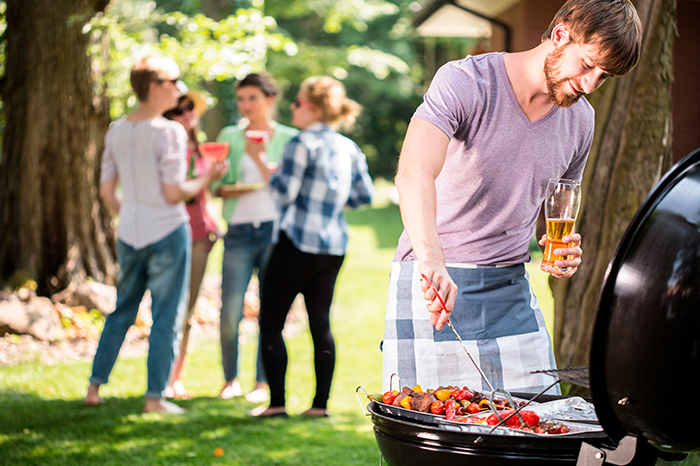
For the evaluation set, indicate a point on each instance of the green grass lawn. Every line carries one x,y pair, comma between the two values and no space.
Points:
43,421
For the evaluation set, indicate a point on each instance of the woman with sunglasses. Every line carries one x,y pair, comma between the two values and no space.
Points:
255,146
189,109
320,174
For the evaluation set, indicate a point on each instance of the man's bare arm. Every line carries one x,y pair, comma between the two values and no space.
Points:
422,158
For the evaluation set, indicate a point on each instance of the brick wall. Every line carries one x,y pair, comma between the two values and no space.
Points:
686,85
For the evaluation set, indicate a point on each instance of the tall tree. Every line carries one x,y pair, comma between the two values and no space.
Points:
631,150
51,223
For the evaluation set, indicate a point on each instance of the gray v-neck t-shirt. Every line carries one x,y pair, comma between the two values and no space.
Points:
498,162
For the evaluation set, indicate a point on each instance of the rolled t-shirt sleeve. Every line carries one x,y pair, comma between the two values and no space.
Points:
447,101
171,153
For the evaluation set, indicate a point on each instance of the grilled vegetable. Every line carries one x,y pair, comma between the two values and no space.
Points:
388,397
438,407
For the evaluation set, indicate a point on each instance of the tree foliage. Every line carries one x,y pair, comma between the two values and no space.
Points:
367,44
205,49
372,48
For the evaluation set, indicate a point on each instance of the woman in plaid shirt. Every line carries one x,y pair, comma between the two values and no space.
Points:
320,174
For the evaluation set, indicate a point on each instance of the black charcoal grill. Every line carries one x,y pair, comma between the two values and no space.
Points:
644,361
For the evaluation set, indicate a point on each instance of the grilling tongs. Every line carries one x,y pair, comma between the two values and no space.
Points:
493,390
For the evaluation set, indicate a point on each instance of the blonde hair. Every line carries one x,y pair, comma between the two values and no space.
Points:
328,94
152,68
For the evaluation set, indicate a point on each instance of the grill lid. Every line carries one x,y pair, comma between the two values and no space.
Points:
645,350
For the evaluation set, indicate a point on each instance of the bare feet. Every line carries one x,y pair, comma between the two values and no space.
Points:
268,411
160,405
177,390
93,398
316,412
259,394
231,389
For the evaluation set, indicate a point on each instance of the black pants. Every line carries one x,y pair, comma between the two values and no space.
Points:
289,272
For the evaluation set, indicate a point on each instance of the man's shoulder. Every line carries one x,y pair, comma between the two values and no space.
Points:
585,106
471,72
583,110
471,63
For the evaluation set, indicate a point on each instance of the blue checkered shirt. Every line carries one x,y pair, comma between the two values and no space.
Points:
321,173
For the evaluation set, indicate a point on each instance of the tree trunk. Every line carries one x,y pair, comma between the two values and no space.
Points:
52,225
631,150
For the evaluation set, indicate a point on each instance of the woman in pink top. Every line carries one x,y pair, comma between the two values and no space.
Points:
189,109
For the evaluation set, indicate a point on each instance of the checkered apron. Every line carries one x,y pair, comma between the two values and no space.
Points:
495,313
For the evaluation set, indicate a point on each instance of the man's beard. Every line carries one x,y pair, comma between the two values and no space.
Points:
555,85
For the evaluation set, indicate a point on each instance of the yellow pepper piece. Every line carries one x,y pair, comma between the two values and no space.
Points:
443,394
417,389
484,404
406,402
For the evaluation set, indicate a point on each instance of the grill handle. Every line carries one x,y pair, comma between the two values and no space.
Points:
357,395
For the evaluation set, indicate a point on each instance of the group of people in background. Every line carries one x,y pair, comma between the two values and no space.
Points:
284,193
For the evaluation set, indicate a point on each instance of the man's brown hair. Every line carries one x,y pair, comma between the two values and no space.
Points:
150,69
612,25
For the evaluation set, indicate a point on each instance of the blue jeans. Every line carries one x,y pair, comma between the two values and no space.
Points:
247,247
163,268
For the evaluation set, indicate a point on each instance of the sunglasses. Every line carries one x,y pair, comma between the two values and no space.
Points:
177,111
300,103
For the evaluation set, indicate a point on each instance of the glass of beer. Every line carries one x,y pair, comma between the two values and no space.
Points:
560,209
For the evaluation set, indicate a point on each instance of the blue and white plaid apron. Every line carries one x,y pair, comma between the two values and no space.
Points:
495,313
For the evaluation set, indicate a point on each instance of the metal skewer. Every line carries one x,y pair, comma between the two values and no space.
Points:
457,334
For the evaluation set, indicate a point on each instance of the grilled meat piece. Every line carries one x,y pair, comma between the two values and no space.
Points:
421,402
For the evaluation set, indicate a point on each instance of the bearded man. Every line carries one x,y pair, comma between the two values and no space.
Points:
472,175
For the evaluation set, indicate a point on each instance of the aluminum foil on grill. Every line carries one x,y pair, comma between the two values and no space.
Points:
573,409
